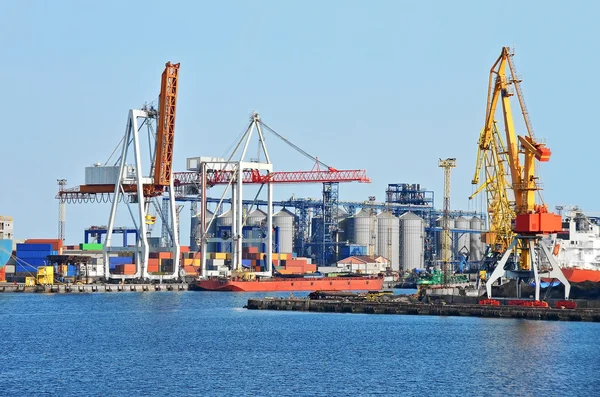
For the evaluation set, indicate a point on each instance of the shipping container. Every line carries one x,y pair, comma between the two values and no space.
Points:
190,270
34,247
118,260
72,271
153,268
56,243
25,255
246,263
91,247
125,269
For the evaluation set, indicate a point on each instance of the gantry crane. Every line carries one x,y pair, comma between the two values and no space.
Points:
516,226
128,185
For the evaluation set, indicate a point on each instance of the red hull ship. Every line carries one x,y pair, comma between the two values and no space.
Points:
291,284
576,275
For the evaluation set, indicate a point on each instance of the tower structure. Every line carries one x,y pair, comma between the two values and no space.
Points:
61,210
447,165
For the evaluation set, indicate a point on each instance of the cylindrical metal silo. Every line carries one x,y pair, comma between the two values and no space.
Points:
342,221
464,239
477,246
362,229
284,219
225,219
223,224
195,231
388,238
412,239
256,217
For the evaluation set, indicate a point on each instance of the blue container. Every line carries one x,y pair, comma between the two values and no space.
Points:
32,254
120,260
246,263
54,253
34,247
30,267
71,270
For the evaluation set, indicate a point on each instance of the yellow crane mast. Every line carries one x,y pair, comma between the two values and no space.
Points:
516,220
447,165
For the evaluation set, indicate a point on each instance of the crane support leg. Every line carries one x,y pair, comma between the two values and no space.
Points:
499,270
555,272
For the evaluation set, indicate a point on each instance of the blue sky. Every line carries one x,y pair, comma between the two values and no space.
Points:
386,86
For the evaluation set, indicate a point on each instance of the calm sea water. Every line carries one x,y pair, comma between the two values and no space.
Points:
206,344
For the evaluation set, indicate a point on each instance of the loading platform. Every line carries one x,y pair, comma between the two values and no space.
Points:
466,310
88,288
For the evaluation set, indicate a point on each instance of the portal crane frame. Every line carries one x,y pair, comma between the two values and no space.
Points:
531,220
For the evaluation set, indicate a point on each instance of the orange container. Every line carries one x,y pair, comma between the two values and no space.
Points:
189,269
310,268
129,268
184,248
165,255
153,268
295,269
56,242
252,250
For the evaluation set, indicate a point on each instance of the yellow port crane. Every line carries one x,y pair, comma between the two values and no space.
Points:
516,220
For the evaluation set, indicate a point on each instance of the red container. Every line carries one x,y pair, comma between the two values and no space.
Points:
57,243
562,304
489,302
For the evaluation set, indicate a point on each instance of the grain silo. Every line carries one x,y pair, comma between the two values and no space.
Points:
477,246
342,222
256,217
362,229
195,231
225,219
463,238
388,238
284,219
223,230
412,239
255,220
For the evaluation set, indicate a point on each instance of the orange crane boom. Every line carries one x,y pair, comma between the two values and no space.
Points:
165,133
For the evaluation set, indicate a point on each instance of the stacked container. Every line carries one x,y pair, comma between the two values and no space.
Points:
31,256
